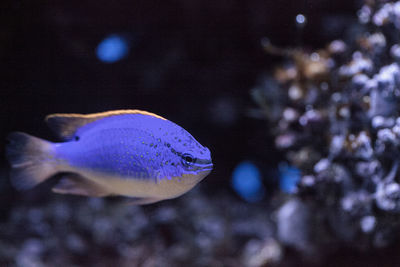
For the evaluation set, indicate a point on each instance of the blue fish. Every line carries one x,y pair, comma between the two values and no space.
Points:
129,153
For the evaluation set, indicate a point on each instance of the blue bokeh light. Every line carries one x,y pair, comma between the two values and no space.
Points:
246,181
301,19
112,48
289,176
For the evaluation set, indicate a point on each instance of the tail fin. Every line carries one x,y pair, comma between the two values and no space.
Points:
30,159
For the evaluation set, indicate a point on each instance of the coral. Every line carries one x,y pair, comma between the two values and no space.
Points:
335,114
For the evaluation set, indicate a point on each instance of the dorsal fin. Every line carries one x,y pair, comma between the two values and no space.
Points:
65,125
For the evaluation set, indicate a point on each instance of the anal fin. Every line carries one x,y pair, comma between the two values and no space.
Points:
78,185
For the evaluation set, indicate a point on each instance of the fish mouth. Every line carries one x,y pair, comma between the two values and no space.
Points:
202,168
207,167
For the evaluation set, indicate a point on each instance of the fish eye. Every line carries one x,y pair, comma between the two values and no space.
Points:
187,159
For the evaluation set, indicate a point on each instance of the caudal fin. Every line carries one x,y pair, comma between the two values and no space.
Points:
30,160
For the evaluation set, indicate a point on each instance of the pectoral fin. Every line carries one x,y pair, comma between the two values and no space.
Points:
78,185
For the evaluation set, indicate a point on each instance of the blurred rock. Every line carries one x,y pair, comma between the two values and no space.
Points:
294,225
341,129
262,253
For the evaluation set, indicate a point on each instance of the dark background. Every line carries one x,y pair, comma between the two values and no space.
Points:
192,61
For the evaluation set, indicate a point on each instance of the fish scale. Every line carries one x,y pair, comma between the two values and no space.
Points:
120,153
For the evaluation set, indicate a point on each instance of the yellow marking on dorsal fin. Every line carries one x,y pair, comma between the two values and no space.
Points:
66,124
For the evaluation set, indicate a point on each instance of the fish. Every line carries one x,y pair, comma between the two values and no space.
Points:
130,153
